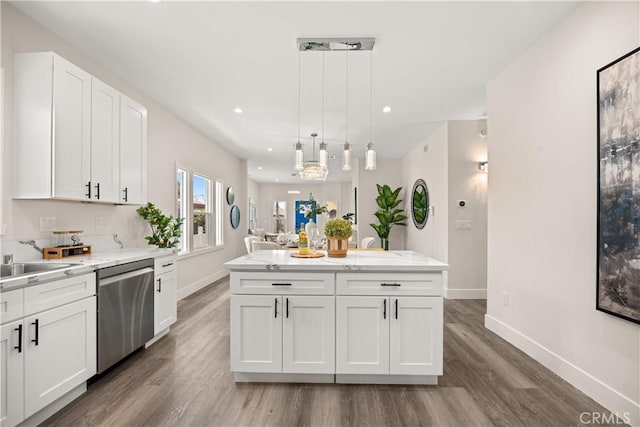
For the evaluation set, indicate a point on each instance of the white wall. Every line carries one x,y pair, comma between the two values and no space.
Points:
467,276
432,166
542,207
388,171
170,140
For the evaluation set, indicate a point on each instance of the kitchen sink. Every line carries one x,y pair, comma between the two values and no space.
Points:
22,268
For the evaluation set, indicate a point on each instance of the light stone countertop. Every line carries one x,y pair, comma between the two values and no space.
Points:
82,265
358,260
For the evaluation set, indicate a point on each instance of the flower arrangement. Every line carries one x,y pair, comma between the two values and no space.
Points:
312,208
338,227
165,230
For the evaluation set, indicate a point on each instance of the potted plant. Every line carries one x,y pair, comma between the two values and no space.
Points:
337,231
165,230
389,214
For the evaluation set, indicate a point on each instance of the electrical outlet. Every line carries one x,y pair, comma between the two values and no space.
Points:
505,298
99,223
47,223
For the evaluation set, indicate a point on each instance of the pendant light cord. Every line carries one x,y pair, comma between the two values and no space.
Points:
323,95
346,109
371,95
299,84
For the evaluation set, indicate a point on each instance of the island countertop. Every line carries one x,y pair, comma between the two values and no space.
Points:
281,260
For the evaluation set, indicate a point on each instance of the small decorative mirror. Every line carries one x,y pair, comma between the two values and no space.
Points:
231,196
420,203
234,216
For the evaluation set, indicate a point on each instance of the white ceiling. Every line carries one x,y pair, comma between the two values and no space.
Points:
431,62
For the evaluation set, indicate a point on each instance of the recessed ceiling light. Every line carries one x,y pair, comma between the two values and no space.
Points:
277,180
259,168
237,110
155,1
293,192
386,109
269,149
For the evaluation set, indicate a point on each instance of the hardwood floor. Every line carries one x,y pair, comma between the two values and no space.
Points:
184,380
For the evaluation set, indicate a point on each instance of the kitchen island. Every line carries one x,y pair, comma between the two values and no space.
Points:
371,317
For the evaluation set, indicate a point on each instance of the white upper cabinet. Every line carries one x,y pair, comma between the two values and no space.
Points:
133,152
53,138
71,136
105,142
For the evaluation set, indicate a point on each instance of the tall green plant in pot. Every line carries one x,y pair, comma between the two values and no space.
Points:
389,214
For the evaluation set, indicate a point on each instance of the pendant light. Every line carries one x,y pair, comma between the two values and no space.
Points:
370,154
346,149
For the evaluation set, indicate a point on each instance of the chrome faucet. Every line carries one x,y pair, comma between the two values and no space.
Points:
31,243
118,241
7,259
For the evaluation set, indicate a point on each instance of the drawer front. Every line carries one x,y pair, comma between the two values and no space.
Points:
11,305
53,294
164,265
416,284
303,283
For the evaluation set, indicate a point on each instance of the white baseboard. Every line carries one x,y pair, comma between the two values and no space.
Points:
185,291
464,293
621,405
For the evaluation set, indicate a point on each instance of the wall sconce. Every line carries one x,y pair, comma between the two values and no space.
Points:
483,166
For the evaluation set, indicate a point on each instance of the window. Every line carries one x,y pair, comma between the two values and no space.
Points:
195,196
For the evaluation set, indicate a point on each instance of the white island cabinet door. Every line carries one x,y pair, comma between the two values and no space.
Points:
416,336
362,335
11,379
60,352
256,333
105,142
72,136
133,152
308,334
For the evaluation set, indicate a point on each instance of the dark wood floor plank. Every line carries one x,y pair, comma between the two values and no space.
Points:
184,380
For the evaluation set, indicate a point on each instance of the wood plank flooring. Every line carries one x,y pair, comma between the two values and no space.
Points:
184,380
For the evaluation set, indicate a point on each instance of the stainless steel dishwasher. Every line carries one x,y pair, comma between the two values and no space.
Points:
125,310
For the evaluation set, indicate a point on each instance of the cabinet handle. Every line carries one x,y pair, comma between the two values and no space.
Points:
19,346
384,310
36,325
88,193
396,308
287,310
159,285
281,284
276,310
167,265
98,191
390,284
126,194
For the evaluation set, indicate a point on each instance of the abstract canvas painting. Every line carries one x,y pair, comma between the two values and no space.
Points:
618,87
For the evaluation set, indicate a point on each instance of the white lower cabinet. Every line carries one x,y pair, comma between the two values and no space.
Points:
60,352
165,309
11,374
389,335
51,351
283,334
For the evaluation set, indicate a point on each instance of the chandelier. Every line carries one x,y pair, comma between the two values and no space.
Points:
317,168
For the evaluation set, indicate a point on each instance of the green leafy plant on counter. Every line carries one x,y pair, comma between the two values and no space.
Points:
338,227
165,230
389,214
